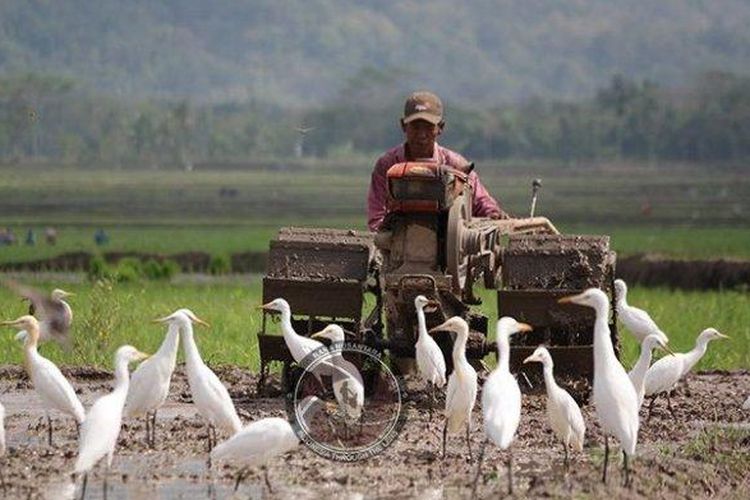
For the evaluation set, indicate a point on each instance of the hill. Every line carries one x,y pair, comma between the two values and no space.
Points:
303,52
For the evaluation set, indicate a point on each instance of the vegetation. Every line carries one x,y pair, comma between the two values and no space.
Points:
53,119
299,53
108,314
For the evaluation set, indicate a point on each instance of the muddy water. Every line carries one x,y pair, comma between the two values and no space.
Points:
410,468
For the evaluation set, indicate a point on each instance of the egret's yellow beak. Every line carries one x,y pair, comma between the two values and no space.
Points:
530,359
721,335
142,355
160,320
319,335
201,322
525,328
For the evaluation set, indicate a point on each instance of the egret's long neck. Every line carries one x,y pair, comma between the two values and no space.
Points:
286,325
549,379
503,352
122,377
641,366
603,348
192,356
171,342
421,324
695,354
29,348
459,348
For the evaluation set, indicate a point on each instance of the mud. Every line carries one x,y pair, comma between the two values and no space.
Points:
670,464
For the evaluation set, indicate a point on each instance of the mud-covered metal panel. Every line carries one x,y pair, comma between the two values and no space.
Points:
574,262
319,261
336,298
540,309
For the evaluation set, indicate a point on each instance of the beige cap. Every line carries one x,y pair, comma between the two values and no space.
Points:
423,105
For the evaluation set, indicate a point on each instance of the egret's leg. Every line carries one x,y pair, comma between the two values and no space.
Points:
445,434
669,404
432,400
153,430
627,469
479,468
566,464
468,439
104,483
510,470
268,481
49,430
83,487
148,434
651,406
240,477
606,458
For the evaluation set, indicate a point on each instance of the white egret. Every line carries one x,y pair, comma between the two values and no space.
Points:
663,375
49,383
348,386
210,396
462,383
299,346
501,398
637,321
101,428
53,313
615,399
149,384
260,441
638,373
563,412
429,357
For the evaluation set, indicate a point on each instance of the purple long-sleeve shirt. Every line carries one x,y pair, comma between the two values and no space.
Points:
484,204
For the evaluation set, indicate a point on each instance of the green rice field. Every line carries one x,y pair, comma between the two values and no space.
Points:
108,317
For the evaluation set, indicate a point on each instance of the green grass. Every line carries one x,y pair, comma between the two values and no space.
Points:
103,321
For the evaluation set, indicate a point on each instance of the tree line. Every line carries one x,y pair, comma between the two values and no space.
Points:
46,118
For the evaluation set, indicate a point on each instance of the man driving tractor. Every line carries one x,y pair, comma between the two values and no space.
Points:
422,123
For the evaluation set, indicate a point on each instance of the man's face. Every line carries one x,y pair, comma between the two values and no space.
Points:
421,136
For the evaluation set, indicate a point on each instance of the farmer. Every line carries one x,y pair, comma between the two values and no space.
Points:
422,123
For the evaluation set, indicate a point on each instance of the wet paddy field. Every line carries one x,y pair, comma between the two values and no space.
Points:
704,451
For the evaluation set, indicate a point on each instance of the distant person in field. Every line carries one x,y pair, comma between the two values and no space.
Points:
422,123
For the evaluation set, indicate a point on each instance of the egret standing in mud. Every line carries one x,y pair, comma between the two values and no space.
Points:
462,383
563,412
209,394
638,373
663,375
149,384
299,346
348,386
260,441
615,399
501,399
101,428
49,383
637,321
429,357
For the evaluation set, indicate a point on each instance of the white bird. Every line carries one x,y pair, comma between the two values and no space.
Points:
49,383
746,405
638,373
260,441
637,321
664,374
615,399
563,412
462,383
210,396
53,313
149,384
101,428
501,398
429,357
299,346
348,386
